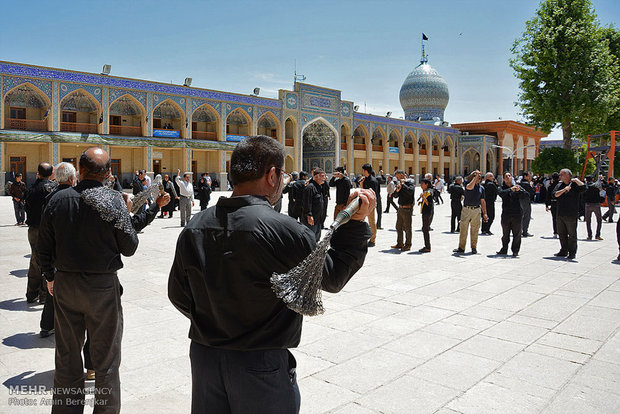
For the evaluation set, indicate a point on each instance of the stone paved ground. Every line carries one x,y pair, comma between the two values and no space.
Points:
410,333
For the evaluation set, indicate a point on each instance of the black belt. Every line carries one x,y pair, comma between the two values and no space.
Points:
472,207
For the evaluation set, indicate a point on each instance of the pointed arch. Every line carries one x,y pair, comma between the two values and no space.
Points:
80,112
205,123
238,122
127,116
30,117
360,137
424,143
319,138
169,116
394,138
410,143
345,132
268,124
290,131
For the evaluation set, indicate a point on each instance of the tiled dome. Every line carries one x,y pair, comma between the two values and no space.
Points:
424,94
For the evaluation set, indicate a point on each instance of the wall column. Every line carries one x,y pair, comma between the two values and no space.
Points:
441,161
55,110
105,111
1,116
350,154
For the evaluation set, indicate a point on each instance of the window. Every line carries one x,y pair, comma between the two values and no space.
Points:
68,116
18,164
18,113
115,120
156,123
115,165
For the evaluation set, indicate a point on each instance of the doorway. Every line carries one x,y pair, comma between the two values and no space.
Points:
156,167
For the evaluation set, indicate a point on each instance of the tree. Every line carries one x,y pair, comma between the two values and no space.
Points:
553,159
566,72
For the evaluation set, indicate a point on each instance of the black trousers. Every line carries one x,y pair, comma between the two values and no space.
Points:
526,206
457,207
87,301
567,231
554,217
427,219
240,382
36,282
316,228
511,224
618,235
491,213
379,210
390,202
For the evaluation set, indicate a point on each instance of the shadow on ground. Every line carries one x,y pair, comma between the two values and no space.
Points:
39,379
19,272
29,340
19,305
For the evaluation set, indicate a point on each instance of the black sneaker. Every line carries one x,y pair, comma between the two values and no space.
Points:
459,250
502,252
489,233
515,254
474,251
45,333
571,256
560,254
424,250
371,244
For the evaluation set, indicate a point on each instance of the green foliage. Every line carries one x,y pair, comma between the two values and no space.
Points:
566,71
553,159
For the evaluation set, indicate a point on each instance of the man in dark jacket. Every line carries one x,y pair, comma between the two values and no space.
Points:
526,202
18,192
35,199
220,280
313,203
512,214
592,199
297,191
405,193
172,193
289,189
457,192
567,193
343,189
204,192
611,189
490,195
139,181
551,203
84,231
369,182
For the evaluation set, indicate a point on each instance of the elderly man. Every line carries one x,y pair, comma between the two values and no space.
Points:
186,200
66,177
220,279
84,231
512,214
567,194
35,199
313,203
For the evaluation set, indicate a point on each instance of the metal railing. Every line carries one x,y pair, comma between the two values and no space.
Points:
212,136
343,145
378,148
289,142
359,147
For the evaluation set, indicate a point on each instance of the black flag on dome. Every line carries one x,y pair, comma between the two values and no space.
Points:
424,37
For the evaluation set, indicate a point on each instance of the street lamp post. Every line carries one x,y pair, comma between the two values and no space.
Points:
513,152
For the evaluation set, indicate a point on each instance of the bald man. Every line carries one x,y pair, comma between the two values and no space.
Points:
84,231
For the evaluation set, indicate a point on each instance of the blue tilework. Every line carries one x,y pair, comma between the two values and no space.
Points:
9,82
117,93
103,80
179,100
67,88
231,107
197,103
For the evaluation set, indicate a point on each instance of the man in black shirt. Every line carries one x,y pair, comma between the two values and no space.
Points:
18,192
369,182
472,206
512,214
457,192
35,199
298,194
84,231
551,203
592,198
313,203
288,189
405,193
526,203
343,189
490,195
567,194
220,279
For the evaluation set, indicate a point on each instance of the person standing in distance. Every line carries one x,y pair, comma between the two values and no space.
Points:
313,203
512,214
343,189
220,280
186,193
405,193
369,182
457,192
473,204
490,195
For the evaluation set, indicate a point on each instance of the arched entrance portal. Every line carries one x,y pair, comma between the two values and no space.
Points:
319,146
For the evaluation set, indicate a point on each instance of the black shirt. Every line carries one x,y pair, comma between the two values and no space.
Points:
490,191
428,209
371,183
511,200
592,194
35,200
73,236
225,256
473,196
457,192
568,203
343,188
313,201
406,194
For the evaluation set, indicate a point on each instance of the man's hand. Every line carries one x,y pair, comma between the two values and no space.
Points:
310,220
547,209
192,203
50,287
515,188
178,171
485,218
163,200
128,201
369,202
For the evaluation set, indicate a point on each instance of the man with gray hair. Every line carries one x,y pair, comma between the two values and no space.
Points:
567,192
66,177
186,201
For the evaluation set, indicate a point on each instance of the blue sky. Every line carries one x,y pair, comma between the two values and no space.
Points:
363,48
